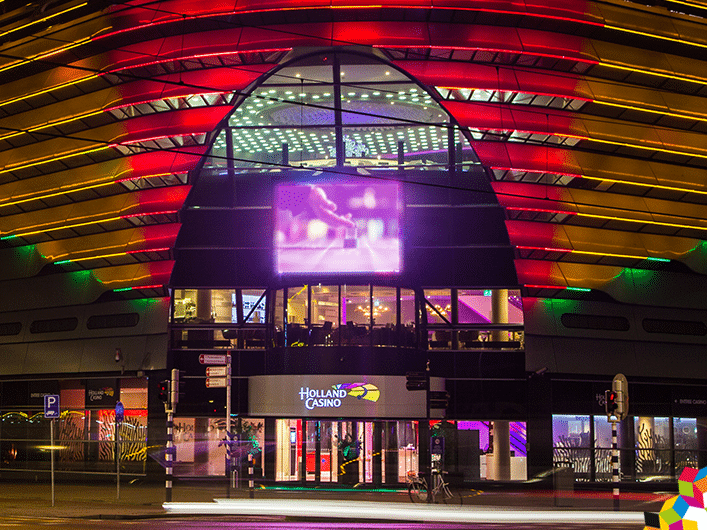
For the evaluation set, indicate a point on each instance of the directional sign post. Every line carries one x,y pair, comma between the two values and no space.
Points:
216,382
216,371
51,412
206,358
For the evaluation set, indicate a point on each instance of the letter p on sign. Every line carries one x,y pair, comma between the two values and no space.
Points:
51,406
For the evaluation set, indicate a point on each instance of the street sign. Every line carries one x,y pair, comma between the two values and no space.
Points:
51,406
206,358
215,382
216,371
119,412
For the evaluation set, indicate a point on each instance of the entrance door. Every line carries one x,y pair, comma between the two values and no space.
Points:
344,452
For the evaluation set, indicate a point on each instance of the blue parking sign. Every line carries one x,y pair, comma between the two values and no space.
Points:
51,406
119,412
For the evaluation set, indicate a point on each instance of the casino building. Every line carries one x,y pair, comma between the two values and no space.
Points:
340,198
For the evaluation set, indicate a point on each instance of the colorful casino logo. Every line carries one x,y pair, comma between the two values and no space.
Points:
685,511
365,391
332,397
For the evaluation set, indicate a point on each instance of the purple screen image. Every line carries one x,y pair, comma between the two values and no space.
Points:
337,227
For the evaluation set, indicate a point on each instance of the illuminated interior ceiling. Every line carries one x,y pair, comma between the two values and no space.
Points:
589,119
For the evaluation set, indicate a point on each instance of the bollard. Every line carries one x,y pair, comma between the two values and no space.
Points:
251,485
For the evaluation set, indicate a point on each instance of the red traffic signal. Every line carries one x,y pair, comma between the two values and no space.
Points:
163,391
610,402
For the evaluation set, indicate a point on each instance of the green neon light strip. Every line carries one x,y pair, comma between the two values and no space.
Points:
658,259
62,262
580,289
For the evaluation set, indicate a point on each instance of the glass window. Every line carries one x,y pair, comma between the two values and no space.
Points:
279,317
571,444
291,119
253,306
407,316
297,305
384,316
297,316
325,315
685,436
222,306
355,314
438,306
653,450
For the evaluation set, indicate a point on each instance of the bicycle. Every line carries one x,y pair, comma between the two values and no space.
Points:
418,489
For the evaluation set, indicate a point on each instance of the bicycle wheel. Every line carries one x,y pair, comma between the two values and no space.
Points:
417,492
450,496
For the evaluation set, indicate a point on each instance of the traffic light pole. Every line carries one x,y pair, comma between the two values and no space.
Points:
615,461
169,452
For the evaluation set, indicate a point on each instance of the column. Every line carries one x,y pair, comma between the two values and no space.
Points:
501,450
499,313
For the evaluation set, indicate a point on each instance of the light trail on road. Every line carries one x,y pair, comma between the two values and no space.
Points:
352,510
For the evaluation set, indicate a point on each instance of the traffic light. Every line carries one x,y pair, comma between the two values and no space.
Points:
416,381
439,399
611,403
163,391
174,387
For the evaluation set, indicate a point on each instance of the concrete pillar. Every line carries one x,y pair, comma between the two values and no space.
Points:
203,305
499,313
501,450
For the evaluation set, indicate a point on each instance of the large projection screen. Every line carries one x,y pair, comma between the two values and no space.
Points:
337,227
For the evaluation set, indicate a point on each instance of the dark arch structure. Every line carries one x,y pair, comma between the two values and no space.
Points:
568,166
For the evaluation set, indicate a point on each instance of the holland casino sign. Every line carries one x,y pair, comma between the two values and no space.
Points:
333,397
340,395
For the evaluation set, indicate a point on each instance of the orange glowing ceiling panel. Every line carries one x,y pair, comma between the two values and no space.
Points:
197,120
600,205
118,241
490,116
543,158
173,123
582,275
529,157
142,202
485,77
531,235
154,273
192,82
42,83
203,44
487,116
177,10
145,165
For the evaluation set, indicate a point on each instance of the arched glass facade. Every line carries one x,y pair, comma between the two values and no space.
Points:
340,227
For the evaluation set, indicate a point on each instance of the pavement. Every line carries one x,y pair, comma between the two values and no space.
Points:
141,500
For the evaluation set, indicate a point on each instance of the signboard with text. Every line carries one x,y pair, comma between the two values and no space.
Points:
337,396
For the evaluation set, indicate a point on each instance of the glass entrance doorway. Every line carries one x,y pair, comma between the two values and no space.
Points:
346,452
